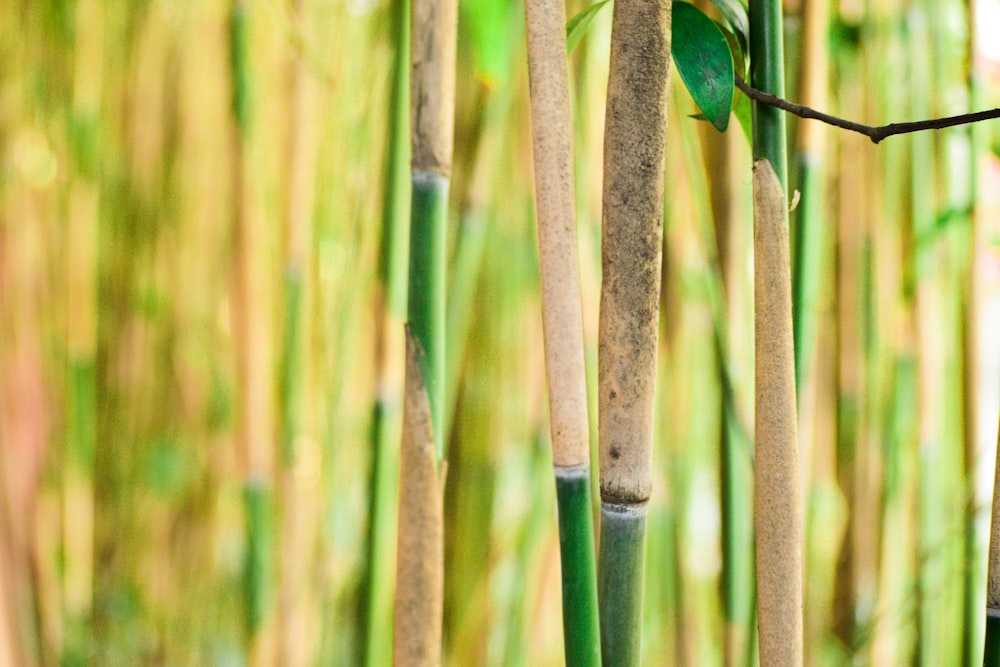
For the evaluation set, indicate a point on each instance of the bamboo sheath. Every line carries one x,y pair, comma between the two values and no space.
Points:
634,145
562,320
432,81
777,509
420,561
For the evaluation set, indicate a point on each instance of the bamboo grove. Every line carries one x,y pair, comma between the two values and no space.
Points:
458,332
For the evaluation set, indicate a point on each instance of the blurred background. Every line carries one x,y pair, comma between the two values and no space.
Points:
200,338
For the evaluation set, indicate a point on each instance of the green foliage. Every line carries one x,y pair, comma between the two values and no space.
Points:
577,26
734,16
701,53
706,54
489,23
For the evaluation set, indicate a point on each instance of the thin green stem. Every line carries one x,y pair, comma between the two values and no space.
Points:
767,74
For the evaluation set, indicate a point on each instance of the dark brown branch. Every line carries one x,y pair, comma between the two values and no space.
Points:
876,134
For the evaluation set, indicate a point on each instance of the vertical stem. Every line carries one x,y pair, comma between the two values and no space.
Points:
777,508
376,616
631,254
767,73
419,570
807,259
562,317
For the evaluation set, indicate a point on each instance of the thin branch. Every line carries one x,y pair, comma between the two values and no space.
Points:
876,134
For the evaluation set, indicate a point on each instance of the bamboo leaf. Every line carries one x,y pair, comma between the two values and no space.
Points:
734,14
704,61
577,26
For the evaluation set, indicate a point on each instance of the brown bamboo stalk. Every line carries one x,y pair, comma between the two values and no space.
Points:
777,507
417,614
631,261
634,147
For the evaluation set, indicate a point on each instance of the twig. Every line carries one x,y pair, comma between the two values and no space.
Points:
876,134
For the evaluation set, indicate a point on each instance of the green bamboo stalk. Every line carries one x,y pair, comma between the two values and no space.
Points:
807,255
933,581
470,240
376,617
419,570
581,631
562,317
767,73
620,579
777,508
631,252
975,563
735,464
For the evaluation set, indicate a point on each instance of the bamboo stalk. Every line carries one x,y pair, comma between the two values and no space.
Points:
807,262
375,621
562,319
419,568
631,255
777,508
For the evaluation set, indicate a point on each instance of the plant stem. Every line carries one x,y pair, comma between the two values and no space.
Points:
777,508
420,554
620,582
551,125
375,620
631,253
581,630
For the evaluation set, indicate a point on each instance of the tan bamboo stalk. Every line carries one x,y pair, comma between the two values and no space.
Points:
562,321
557,243
420,552
777,507
631,258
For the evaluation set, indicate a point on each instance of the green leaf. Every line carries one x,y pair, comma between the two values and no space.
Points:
577,26
705,63
734,13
